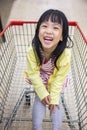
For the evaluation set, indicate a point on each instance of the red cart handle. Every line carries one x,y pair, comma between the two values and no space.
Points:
19,23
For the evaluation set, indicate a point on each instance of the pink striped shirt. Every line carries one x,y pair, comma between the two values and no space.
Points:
46,70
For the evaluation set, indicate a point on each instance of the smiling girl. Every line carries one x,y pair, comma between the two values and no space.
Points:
48,61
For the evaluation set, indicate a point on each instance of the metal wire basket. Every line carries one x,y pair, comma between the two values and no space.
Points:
16,96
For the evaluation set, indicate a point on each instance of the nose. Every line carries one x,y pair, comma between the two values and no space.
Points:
49,30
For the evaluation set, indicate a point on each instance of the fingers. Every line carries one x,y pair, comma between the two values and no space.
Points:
53,108
43,101
46,100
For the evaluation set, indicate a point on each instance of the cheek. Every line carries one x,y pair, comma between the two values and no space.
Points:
40,36
40,33
59,36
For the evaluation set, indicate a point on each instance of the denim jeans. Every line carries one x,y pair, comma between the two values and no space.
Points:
38,115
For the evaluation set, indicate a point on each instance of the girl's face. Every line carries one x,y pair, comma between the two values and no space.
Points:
50,34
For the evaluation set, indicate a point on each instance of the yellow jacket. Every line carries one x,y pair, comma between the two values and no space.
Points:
55,81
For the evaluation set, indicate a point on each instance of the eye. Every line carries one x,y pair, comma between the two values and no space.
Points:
56,28
44,26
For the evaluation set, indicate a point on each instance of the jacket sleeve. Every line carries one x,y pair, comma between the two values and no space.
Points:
33,72
57,81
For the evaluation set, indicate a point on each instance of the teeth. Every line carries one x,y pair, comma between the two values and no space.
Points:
49,39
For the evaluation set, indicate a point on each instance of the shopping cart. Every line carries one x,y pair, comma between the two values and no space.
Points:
15,108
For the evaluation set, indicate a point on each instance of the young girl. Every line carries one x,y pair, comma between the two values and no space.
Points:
48,61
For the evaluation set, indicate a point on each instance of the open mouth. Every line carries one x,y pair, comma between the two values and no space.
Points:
48,39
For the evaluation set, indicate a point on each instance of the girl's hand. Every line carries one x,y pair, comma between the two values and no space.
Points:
46,100
53,107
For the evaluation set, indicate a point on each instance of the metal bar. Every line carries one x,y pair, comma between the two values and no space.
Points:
70,122
14,110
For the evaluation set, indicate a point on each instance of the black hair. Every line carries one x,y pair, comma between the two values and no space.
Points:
60,18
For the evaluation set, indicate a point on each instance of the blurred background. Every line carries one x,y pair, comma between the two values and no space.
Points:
75,10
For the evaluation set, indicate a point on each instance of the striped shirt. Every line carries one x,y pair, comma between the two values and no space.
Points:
46,70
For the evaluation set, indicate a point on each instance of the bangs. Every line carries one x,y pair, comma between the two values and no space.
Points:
53,17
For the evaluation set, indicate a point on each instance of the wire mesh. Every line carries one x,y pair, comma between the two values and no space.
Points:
15,108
